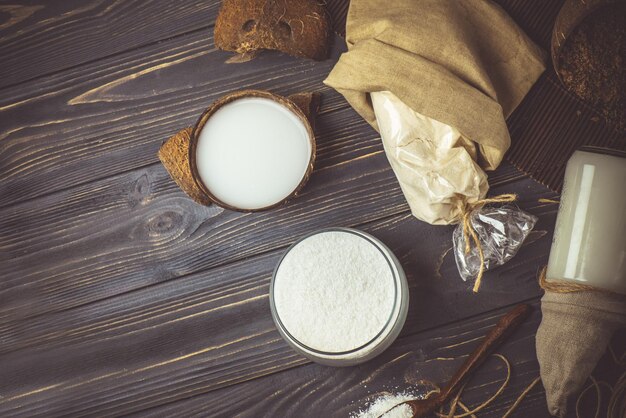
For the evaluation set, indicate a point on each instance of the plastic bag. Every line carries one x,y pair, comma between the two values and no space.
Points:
436,166
501,232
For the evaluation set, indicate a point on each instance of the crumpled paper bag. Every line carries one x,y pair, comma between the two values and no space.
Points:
462,67
574,333
434,164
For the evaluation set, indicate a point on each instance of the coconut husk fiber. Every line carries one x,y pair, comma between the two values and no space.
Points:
575,330
174,152
463,63
296,27
174,155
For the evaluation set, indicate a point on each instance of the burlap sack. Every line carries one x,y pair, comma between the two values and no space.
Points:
574,333
463,63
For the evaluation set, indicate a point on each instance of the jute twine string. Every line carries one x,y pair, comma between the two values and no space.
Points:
467,412
551,286
562,286
470,232
471,413
616,405
617,392
618,398
598,397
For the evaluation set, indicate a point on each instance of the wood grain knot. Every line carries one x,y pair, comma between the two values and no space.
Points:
12,14
140,191
164,223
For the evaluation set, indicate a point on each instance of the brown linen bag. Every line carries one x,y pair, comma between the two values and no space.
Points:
464,63
574,333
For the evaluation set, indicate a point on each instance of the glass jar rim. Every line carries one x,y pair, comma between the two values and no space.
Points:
394,311
603,151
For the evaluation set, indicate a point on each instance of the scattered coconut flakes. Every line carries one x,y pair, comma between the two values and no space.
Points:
384,403
402,411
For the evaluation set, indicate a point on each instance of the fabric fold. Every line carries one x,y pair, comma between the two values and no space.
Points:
463,63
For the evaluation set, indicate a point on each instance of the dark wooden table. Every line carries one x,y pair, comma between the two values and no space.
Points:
119,295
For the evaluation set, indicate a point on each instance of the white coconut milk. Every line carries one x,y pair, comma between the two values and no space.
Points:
252,153
589,245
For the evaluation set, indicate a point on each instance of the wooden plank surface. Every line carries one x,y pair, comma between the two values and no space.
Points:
424,255
135,338
124,394
39,38
120,295
432,355
112,115
142,218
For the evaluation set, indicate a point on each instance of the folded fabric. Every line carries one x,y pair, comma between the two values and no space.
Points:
463,64
575,330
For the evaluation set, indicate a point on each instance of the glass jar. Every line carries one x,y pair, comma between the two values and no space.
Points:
589,244
335,316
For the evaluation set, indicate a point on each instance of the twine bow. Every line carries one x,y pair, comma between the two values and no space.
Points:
469,231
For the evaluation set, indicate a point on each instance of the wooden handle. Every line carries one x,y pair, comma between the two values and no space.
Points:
505,326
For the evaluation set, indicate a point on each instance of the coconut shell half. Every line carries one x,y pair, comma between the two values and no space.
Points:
572,13
309,103
174,152
295,27
174,155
